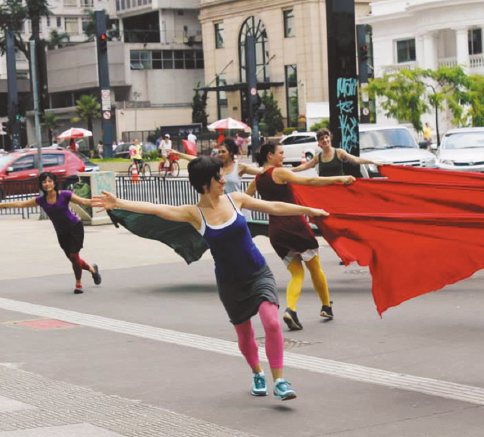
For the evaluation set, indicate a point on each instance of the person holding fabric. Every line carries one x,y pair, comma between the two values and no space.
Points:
68,227
292,237
329,161
245,283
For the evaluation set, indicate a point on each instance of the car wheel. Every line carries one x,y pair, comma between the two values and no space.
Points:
309,156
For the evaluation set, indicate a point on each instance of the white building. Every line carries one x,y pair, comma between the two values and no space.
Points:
426,34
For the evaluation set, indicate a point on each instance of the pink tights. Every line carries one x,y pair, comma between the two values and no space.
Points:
269,315
78,265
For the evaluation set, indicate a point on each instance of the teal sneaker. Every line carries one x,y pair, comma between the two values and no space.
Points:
283,391
259,385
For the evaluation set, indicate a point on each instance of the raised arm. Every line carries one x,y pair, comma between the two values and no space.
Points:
251,189
247,168
185,213
283,175
275,208
344,155
310,164
19,204
183,155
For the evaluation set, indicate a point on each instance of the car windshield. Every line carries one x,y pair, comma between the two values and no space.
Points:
386,139
464,140
5,160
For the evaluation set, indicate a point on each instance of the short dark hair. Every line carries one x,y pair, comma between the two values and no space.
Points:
232,148
265,149
322,133
47,174
202,170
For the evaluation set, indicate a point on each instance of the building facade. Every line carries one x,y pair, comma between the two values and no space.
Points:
426,34
291,53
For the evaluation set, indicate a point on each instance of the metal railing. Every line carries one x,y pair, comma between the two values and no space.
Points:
18,191
175,192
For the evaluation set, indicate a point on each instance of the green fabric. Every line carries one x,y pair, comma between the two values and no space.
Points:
183,238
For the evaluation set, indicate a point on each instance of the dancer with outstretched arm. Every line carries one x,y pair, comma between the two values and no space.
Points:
68,227
246,285
292,237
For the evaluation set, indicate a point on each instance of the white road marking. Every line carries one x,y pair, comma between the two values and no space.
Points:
434,387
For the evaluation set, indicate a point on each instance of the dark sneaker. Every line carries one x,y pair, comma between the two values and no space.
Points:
78,291
283,390
259,385
96,276
292,322
327,311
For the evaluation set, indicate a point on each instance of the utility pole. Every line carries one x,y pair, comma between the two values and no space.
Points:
13,108
253,96
35,92
343,83
136,95
103,72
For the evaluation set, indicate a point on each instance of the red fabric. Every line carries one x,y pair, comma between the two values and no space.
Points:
220,138
190,147
410,174
415,237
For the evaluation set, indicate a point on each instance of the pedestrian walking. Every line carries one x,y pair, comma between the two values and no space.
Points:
292,237
427,133
100,150
246,285
68,227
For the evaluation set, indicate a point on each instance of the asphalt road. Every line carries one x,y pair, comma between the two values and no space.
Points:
150,351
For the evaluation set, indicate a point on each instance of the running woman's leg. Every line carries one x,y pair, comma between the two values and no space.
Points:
248,345
319,280
274,344
293,290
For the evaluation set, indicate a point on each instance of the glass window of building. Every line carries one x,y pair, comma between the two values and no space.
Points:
292,101
156,59
255,26
140,60
71,25
70,3
219,36
167,56
48,21
475,41
222,101
85,23
87,3
59,22
406,50
289,29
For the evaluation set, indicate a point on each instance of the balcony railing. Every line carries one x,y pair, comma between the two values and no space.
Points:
448,62
390,69
476,61
189,36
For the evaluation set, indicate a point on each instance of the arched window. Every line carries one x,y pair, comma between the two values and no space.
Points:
254,26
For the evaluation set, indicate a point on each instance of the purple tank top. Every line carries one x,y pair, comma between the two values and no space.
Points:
59,213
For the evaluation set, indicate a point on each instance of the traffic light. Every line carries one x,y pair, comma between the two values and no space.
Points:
363,53
103,43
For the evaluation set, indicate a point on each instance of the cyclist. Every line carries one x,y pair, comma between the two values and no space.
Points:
136,154
165,147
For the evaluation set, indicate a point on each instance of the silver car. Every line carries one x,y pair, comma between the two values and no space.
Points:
391,145
462,150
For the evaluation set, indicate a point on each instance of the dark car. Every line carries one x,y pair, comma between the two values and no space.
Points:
19,170
122,151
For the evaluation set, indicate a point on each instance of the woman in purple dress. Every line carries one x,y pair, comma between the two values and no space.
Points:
67,225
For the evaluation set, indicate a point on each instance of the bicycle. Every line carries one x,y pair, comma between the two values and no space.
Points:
169,166
143,168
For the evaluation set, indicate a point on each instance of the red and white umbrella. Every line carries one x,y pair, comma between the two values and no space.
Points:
228,123
74,132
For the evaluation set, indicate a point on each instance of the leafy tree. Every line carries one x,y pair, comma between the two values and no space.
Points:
51,122
87,109
90,27
199,107
272,117
56,40
322,124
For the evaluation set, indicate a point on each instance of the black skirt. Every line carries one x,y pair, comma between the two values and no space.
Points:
242,299
72,241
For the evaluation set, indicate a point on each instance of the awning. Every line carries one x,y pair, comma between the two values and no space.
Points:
240,86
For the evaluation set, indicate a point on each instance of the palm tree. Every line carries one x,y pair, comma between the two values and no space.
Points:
87,109
56,39
51,122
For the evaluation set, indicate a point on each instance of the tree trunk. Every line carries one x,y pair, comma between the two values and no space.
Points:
91,138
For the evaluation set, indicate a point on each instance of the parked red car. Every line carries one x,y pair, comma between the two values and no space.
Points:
19,170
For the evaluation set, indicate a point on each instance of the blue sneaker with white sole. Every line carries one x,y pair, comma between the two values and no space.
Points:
283,390
259,385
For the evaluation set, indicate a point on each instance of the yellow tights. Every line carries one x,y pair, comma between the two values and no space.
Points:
318,278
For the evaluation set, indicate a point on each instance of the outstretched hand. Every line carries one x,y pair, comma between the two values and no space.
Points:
104,201
316,212
346,180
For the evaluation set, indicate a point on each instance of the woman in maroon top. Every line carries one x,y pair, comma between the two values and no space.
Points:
292,237
68,226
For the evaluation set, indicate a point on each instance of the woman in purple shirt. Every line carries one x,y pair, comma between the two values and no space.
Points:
68,226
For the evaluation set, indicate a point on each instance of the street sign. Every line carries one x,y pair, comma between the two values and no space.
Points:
253,91
106,100
365,111
107,115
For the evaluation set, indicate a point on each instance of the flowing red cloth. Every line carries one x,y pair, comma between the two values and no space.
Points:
190,147
411,174
415,238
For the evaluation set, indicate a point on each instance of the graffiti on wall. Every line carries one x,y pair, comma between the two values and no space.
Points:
348,123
